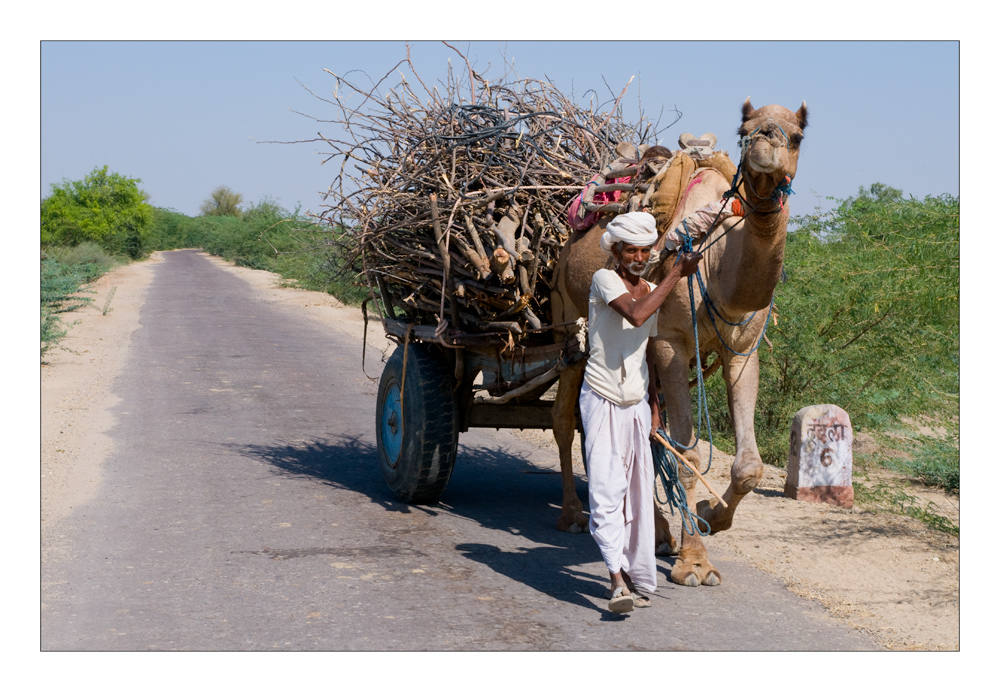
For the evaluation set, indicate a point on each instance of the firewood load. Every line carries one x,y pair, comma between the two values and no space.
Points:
452,207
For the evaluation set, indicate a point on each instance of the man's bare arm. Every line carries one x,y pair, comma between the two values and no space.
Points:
654,400
638,311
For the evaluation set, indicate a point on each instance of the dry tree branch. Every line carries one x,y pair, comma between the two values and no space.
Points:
506,163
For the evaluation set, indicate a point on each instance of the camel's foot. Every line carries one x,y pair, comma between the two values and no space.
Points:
667,548
717,516
695,572
572,519
666,544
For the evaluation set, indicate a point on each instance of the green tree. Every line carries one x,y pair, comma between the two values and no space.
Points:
105,207
223,202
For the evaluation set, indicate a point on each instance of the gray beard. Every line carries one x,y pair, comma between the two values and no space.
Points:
635,268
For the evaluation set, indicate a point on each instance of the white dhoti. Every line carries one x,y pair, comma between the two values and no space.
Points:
620,480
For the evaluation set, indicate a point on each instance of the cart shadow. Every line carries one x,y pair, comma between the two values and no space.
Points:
346,463
495,488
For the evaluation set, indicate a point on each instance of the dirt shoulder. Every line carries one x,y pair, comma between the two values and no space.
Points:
887,575
76,381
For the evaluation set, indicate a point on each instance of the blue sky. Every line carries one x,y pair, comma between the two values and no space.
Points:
186,117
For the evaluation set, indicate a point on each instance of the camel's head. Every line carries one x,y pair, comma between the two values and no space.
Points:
772,149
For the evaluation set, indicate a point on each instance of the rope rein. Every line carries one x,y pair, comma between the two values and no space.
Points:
675,495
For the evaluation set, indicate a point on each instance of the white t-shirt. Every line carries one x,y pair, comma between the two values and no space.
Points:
616,368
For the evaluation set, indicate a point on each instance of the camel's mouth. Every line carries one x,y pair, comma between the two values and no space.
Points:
764,167
767,151
764,157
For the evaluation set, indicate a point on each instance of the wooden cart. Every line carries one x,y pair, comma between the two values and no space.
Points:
435,387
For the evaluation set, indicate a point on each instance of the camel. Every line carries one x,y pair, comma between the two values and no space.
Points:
742,266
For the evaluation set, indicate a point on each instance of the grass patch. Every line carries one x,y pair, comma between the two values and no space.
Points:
107,302
935,462
882,497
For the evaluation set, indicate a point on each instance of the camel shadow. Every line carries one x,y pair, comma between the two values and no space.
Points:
769,492
493,487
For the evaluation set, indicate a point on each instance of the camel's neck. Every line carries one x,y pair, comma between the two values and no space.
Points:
750,266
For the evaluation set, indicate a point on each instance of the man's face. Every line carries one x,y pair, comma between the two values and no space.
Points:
633,258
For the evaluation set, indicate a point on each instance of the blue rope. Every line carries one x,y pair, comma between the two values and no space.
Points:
702,395
785,190
711,308
666,466
702,405
759,339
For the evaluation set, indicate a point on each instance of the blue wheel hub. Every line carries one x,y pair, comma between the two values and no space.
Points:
391,425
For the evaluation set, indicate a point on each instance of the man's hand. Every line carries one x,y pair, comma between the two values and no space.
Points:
654,412
688,262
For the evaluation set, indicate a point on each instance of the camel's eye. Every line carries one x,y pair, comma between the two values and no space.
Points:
795,139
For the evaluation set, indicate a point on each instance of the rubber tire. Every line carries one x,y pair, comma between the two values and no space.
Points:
428,441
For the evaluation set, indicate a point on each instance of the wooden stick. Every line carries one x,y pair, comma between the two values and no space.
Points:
446,261
690,467
614,187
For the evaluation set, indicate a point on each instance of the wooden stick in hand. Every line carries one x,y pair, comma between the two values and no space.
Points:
690,467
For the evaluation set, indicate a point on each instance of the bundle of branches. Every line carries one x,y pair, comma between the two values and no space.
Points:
452,206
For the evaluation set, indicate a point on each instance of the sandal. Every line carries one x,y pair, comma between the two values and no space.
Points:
641,601
621,602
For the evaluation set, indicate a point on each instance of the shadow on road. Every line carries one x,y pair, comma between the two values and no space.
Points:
494,488
349,463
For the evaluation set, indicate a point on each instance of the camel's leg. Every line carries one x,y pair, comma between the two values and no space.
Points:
742,375
692,566
572,518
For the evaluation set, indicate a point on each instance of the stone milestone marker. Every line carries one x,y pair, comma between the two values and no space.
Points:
820,457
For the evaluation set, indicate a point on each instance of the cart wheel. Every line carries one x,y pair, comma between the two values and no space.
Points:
418,436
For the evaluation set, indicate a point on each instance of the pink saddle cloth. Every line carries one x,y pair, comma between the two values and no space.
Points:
576,216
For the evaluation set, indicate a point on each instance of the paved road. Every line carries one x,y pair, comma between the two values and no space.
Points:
243,509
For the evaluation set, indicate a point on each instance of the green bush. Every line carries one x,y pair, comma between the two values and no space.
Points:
64,273
868,320
169,231
88,260
105,208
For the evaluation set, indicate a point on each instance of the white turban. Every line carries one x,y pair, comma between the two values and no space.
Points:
635,228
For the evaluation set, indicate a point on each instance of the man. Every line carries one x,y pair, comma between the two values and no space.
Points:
618,393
